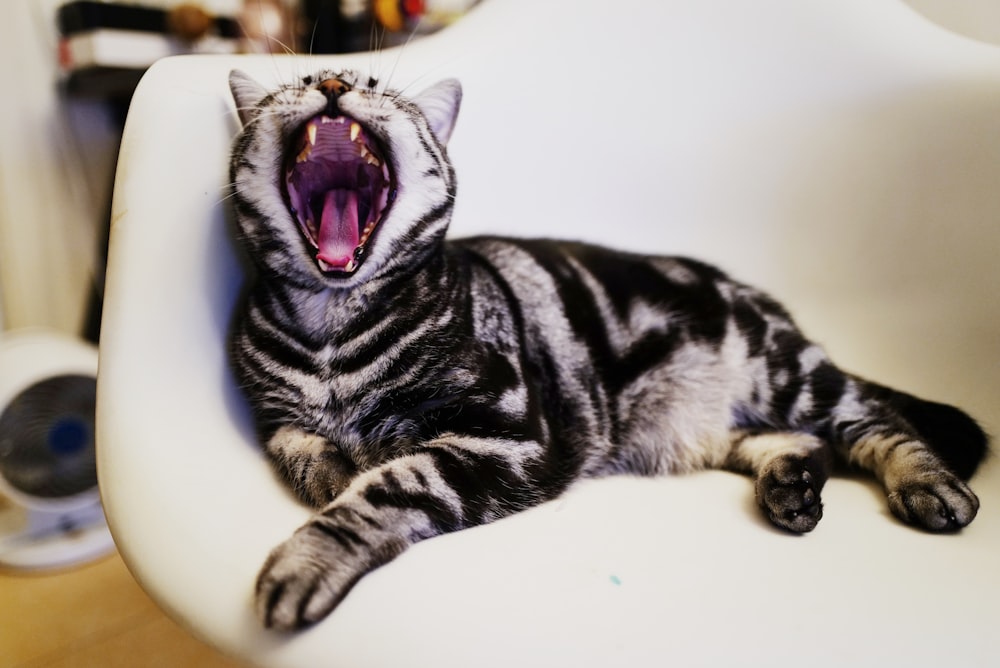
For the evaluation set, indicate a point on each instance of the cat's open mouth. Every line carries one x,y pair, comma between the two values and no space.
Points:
339,186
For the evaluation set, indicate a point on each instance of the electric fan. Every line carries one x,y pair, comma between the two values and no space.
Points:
50,513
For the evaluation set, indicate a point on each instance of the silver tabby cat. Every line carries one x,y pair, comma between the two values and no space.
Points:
407,386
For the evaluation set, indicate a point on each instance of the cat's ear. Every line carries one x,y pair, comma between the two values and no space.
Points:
440,104
247,93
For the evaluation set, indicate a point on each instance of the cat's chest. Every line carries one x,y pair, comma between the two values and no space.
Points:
351,412
369,408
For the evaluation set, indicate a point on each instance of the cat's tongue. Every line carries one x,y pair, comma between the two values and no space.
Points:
338,230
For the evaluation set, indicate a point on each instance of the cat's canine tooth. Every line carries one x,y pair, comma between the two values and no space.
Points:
307,149
355,131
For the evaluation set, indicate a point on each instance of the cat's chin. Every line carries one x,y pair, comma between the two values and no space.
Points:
338,186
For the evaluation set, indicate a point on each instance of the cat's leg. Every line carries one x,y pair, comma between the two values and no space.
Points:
921,488
315,469
905,442
453,483
789,471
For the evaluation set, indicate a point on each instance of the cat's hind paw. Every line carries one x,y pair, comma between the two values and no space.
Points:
939,502
788,491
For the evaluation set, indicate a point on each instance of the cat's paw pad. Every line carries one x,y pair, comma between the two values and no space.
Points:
789,494
936,502
303,580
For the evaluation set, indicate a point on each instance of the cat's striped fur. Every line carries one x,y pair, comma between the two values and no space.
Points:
443,384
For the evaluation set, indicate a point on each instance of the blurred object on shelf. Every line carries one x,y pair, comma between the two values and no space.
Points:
268,26
419,16
106,46
189,22
345,26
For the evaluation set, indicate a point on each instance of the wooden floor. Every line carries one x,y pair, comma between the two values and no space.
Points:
94,615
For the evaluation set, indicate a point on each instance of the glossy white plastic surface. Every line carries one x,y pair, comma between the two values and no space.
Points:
843,154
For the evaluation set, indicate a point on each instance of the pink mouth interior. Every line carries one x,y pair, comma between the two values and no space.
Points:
338,187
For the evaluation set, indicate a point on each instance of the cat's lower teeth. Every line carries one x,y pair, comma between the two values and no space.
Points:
346,269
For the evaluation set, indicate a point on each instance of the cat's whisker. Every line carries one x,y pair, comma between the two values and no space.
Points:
288,51
312,38
258,117
231,188
401,50
376,38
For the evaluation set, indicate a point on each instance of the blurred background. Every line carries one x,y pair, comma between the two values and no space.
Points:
67,75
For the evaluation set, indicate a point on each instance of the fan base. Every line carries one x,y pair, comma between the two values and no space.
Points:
36,539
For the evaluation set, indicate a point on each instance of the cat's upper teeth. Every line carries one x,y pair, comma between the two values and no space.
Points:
355,134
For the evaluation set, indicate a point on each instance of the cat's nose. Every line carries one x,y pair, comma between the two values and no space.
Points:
333,89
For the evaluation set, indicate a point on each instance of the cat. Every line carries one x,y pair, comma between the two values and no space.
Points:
405,385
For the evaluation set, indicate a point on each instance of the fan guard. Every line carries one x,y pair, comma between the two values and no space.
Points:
48,475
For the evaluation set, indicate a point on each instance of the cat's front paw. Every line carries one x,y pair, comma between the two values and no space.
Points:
301,582
937,501
308,575
788,491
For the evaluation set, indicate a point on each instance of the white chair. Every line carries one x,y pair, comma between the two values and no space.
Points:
844,155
